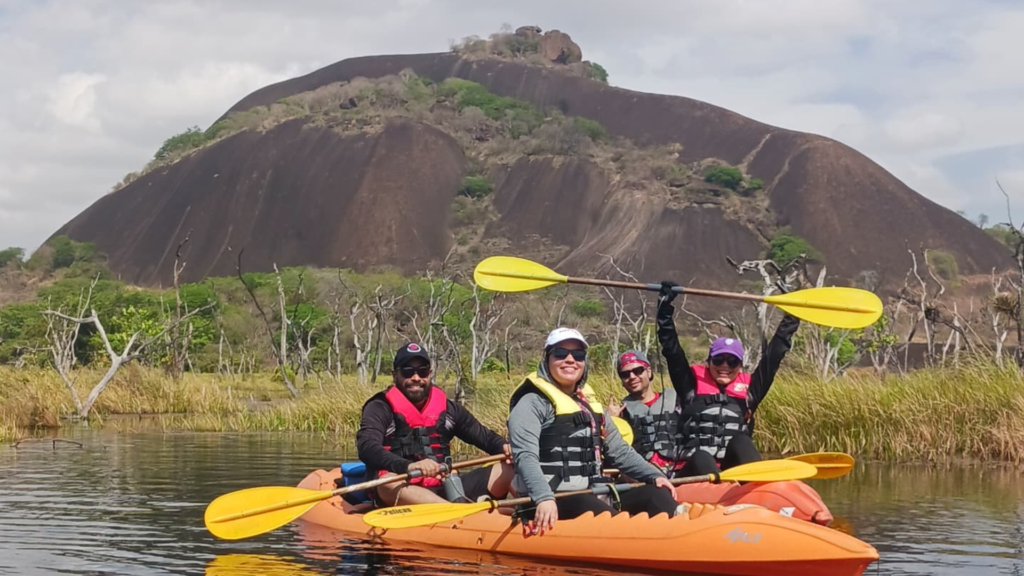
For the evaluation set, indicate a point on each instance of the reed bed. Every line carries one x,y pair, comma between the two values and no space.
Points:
975,411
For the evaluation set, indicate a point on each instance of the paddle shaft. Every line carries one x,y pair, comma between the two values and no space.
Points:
604,489
703,292
317,496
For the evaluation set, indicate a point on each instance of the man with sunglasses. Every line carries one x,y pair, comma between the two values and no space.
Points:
717,398
408,428
653,416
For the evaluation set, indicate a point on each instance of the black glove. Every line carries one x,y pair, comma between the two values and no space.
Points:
666,295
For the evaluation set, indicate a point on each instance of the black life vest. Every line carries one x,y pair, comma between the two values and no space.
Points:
570,452
714,415
655,434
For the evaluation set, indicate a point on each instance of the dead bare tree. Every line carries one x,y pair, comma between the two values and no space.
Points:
132,351
179,346
1018,285
279,354
61,338
481,328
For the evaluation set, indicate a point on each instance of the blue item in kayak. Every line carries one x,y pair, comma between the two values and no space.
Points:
354,473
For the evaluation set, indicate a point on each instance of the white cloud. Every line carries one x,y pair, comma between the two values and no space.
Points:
73,99
93,87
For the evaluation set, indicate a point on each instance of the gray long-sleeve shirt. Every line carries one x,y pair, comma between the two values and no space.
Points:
534,412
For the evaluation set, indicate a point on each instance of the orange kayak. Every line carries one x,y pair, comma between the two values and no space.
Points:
740,540
793,498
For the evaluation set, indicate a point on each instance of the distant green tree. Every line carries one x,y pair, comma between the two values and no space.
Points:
588,308
786,247
944,264
597,72
475,186
191,138
725,176
12,254
592,128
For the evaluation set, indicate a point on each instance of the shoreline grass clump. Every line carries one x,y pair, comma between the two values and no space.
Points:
975,411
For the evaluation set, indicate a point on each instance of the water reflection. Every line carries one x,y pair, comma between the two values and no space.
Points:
133,504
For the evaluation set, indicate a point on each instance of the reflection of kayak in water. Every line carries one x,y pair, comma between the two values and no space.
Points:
740,540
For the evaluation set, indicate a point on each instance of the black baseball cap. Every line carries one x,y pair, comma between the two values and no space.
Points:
408,352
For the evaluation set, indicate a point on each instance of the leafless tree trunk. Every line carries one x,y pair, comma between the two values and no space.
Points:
278,355
61,340
481,327
130,352
179,347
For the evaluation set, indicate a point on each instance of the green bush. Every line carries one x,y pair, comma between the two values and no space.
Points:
592,128
785,248
12,254
1004,234
475,186
178,144
944,264
725,176
67,252
588,308
597,72
520,117
755,184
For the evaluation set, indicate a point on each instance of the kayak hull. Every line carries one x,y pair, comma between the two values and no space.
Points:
793,498
735,540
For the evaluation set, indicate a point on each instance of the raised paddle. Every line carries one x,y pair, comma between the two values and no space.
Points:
415,515
254,511
829,464
835,306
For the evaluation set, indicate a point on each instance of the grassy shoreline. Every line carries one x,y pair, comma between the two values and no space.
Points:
972,412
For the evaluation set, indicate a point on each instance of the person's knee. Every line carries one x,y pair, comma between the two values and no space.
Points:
389,492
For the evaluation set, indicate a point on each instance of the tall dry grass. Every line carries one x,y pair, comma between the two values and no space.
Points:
975,411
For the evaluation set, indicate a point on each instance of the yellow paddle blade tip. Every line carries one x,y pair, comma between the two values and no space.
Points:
834,306
512,274
254,511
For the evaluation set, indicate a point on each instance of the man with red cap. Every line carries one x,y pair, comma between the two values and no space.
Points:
718,399
653,416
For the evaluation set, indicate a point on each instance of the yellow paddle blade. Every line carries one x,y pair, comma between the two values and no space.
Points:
511,274
829,464
415,515
835,306
253,511
770,471
624,429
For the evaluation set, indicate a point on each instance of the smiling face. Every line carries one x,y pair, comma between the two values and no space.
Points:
635,384
724,368
566,363
413,379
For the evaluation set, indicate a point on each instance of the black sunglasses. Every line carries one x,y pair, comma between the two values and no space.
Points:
408,371
732,361
623,374
562,353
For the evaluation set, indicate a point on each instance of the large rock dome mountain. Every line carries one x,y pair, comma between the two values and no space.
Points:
332,169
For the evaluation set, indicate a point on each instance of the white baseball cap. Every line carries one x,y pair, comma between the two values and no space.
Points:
562,334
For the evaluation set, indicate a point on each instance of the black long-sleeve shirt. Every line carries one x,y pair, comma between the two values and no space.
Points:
378,422
685,381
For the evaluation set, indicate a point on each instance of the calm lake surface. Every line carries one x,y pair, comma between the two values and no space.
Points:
132,503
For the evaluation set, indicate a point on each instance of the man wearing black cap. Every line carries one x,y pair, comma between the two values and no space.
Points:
408,428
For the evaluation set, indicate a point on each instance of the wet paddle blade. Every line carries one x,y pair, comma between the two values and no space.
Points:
770,471
253,511
511,274
835,306
415,515
829,464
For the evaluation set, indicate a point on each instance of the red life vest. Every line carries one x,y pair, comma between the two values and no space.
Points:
419,434
715,414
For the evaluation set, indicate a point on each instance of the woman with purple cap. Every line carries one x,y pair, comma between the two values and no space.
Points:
718,399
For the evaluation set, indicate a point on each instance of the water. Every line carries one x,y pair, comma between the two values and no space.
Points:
133,504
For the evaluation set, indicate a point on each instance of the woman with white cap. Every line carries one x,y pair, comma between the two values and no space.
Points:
559,441
717,398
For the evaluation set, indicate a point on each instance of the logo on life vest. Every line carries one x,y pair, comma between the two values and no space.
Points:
741,387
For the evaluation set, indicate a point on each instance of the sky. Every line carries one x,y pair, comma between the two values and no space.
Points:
932,90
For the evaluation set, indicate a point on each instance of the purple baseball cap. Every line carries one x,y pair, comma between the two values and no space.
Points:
725,345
